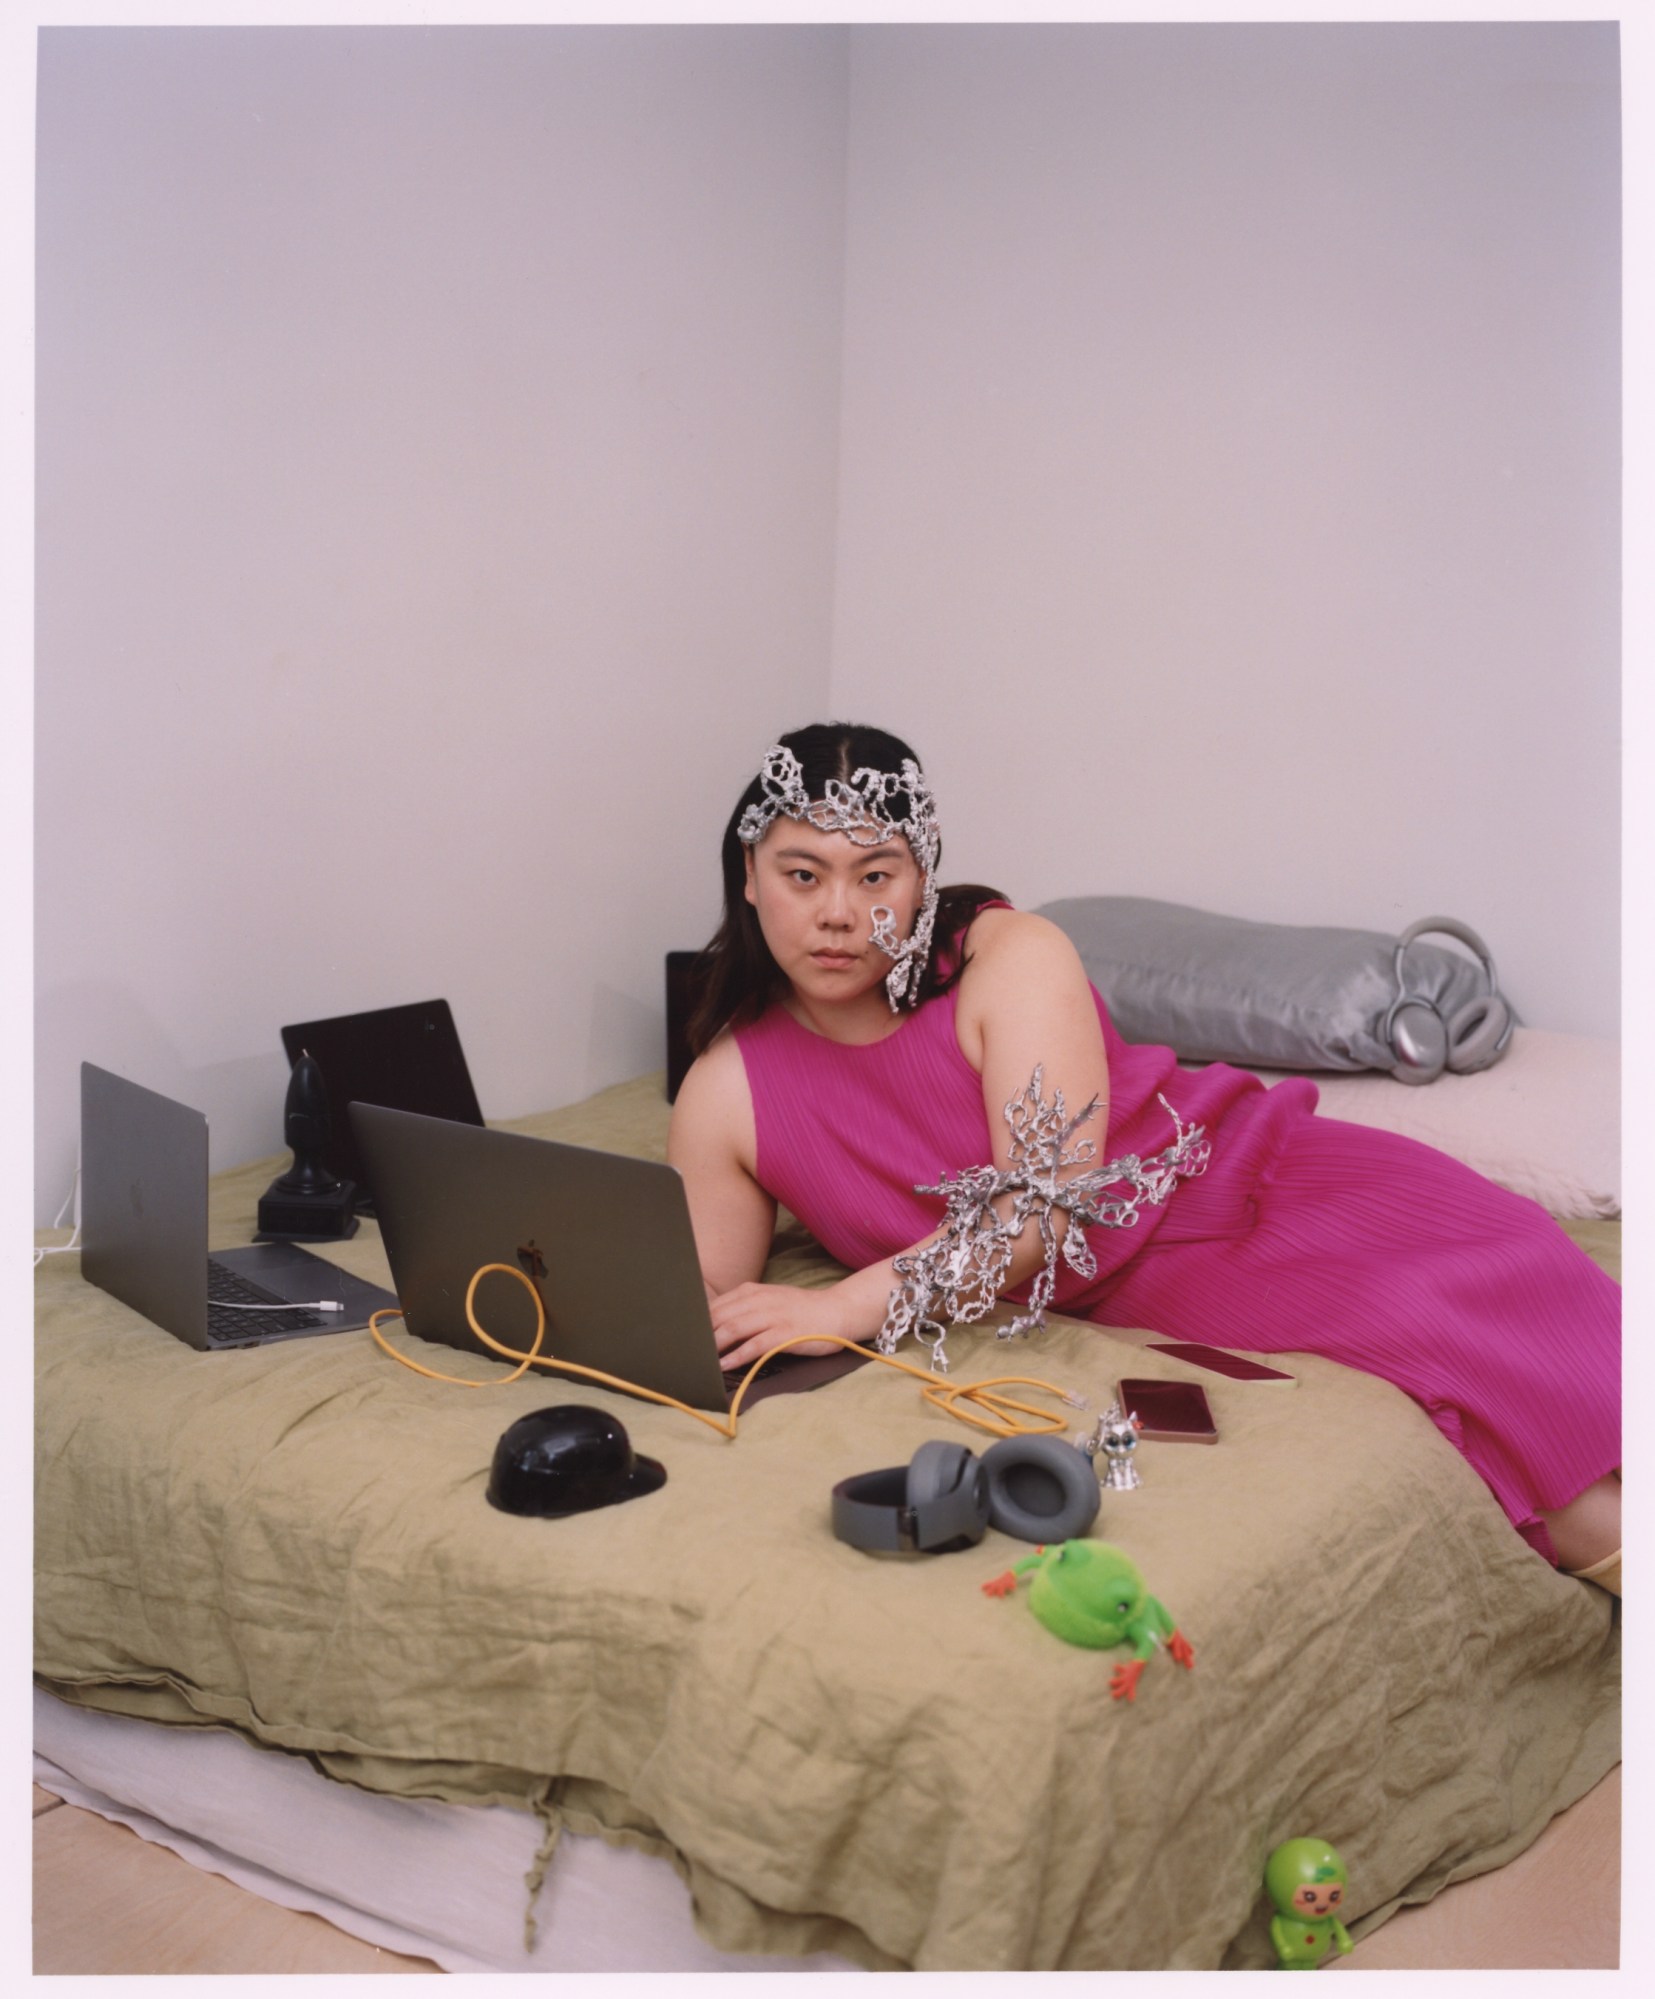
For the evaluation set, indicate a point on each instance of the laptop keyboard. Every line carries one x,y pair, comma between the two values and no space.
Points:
229,1287
782,1364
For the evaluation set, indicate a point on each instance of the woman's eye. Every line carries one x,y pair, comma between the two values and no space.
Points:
875,877
801,875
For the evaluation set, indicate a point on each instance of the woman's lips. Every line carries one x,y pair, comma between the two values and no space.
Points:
833,960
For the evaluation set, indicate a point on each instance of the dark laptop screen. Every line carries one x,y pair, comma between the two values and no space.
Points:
405,1057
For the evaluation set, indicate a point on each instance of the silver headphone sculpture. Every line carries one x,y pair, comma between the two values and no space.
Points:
1423,1042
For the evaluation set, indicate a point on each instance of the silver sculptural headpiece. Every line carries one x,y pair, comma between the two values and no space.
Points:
960,1275
858,809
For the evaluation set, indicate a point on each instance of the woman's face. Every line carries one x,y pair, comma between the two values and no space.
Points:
815,894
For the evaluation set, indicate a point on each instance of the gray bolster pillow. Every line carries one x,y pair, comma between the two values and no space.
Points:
1265,995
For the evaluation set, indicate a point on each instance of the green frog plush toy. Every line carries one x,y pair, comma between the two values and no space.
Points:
1091,1594
1306,1880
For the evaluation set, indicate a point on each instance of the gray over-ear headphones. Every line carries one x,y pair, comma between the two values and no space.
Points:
1036,1488
1425,1044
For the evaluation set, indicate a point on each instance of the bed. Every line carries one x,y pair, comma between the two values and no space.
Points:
279,1628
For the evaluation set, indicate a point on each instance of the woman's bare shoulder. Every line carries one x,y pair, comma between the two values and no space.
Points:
1021,970
713,1100
716,1071
1017,940
1025,1000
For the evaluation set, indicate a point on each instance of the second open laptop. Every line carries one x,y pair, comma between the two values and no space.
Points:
408,1057
606,1238
144,1232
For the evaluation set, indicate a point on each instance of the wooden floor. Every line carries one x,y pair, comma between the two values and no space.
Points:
107,1901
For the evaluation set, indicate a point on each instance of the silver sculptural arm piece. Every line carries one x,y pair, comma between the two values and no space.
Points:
958,1277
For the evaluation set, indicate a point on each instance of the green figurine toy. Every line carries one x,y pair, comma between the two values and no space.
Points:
1306,1880
1090,1594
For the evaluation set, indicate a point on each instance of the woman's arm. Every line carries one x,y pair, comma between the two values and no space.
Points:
1024,1000
711,1143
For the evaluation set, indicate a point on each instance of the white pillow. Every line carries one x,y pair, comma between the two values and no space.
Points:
1544,1121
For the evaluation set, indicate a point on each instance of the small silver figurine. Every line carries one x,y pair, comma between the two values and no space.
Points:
1116,1436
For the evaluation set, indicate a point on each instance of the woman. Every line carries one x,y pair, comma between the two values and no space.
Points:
861,1031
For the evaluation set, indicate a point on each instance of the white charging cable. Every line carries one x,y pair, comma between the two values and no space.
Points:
63,1248
283,1305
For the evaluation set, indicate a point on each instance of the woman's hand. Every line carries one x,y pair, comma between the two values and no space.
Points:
752,1318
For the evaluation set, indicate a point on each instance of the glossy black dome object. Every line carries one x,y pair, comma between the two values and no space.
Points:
569,1459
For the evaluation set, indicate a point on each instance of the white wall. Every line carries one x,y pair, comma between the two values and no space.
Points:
447,485
436,444
1230,471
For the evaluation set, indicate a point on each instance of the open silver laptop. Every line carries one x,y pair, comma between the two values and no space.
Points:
144,1232
606,1240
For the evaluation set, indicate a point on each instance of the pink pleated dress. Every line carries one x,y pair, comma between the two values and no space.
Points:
1304,1235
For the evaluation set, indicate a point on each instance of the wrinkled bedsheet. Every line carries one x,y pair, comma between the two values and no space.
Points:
839,1751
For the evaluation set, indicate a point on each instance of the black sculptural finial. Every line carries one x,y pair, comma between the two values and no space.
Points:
307,1127
309,1202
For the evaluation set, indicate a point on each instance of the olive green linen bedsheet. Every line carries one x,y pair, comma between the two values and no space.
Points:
838,1751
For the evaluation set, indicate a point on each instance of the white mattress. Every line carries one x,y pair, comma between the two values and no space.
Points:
438,1881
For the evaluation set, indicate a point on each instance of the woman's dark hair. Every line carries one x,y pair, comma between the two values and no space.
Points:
735,978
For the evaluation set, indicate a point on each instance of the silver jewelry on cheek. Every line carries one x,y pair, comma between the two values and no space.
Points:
858,809
961,1274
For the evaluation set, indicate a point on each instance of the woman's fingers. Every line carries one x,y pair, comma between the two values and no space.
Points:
753,1318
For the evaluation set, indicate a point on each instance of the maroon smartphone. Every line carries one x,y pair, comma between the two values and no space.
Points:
1169,1412
1234,1366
